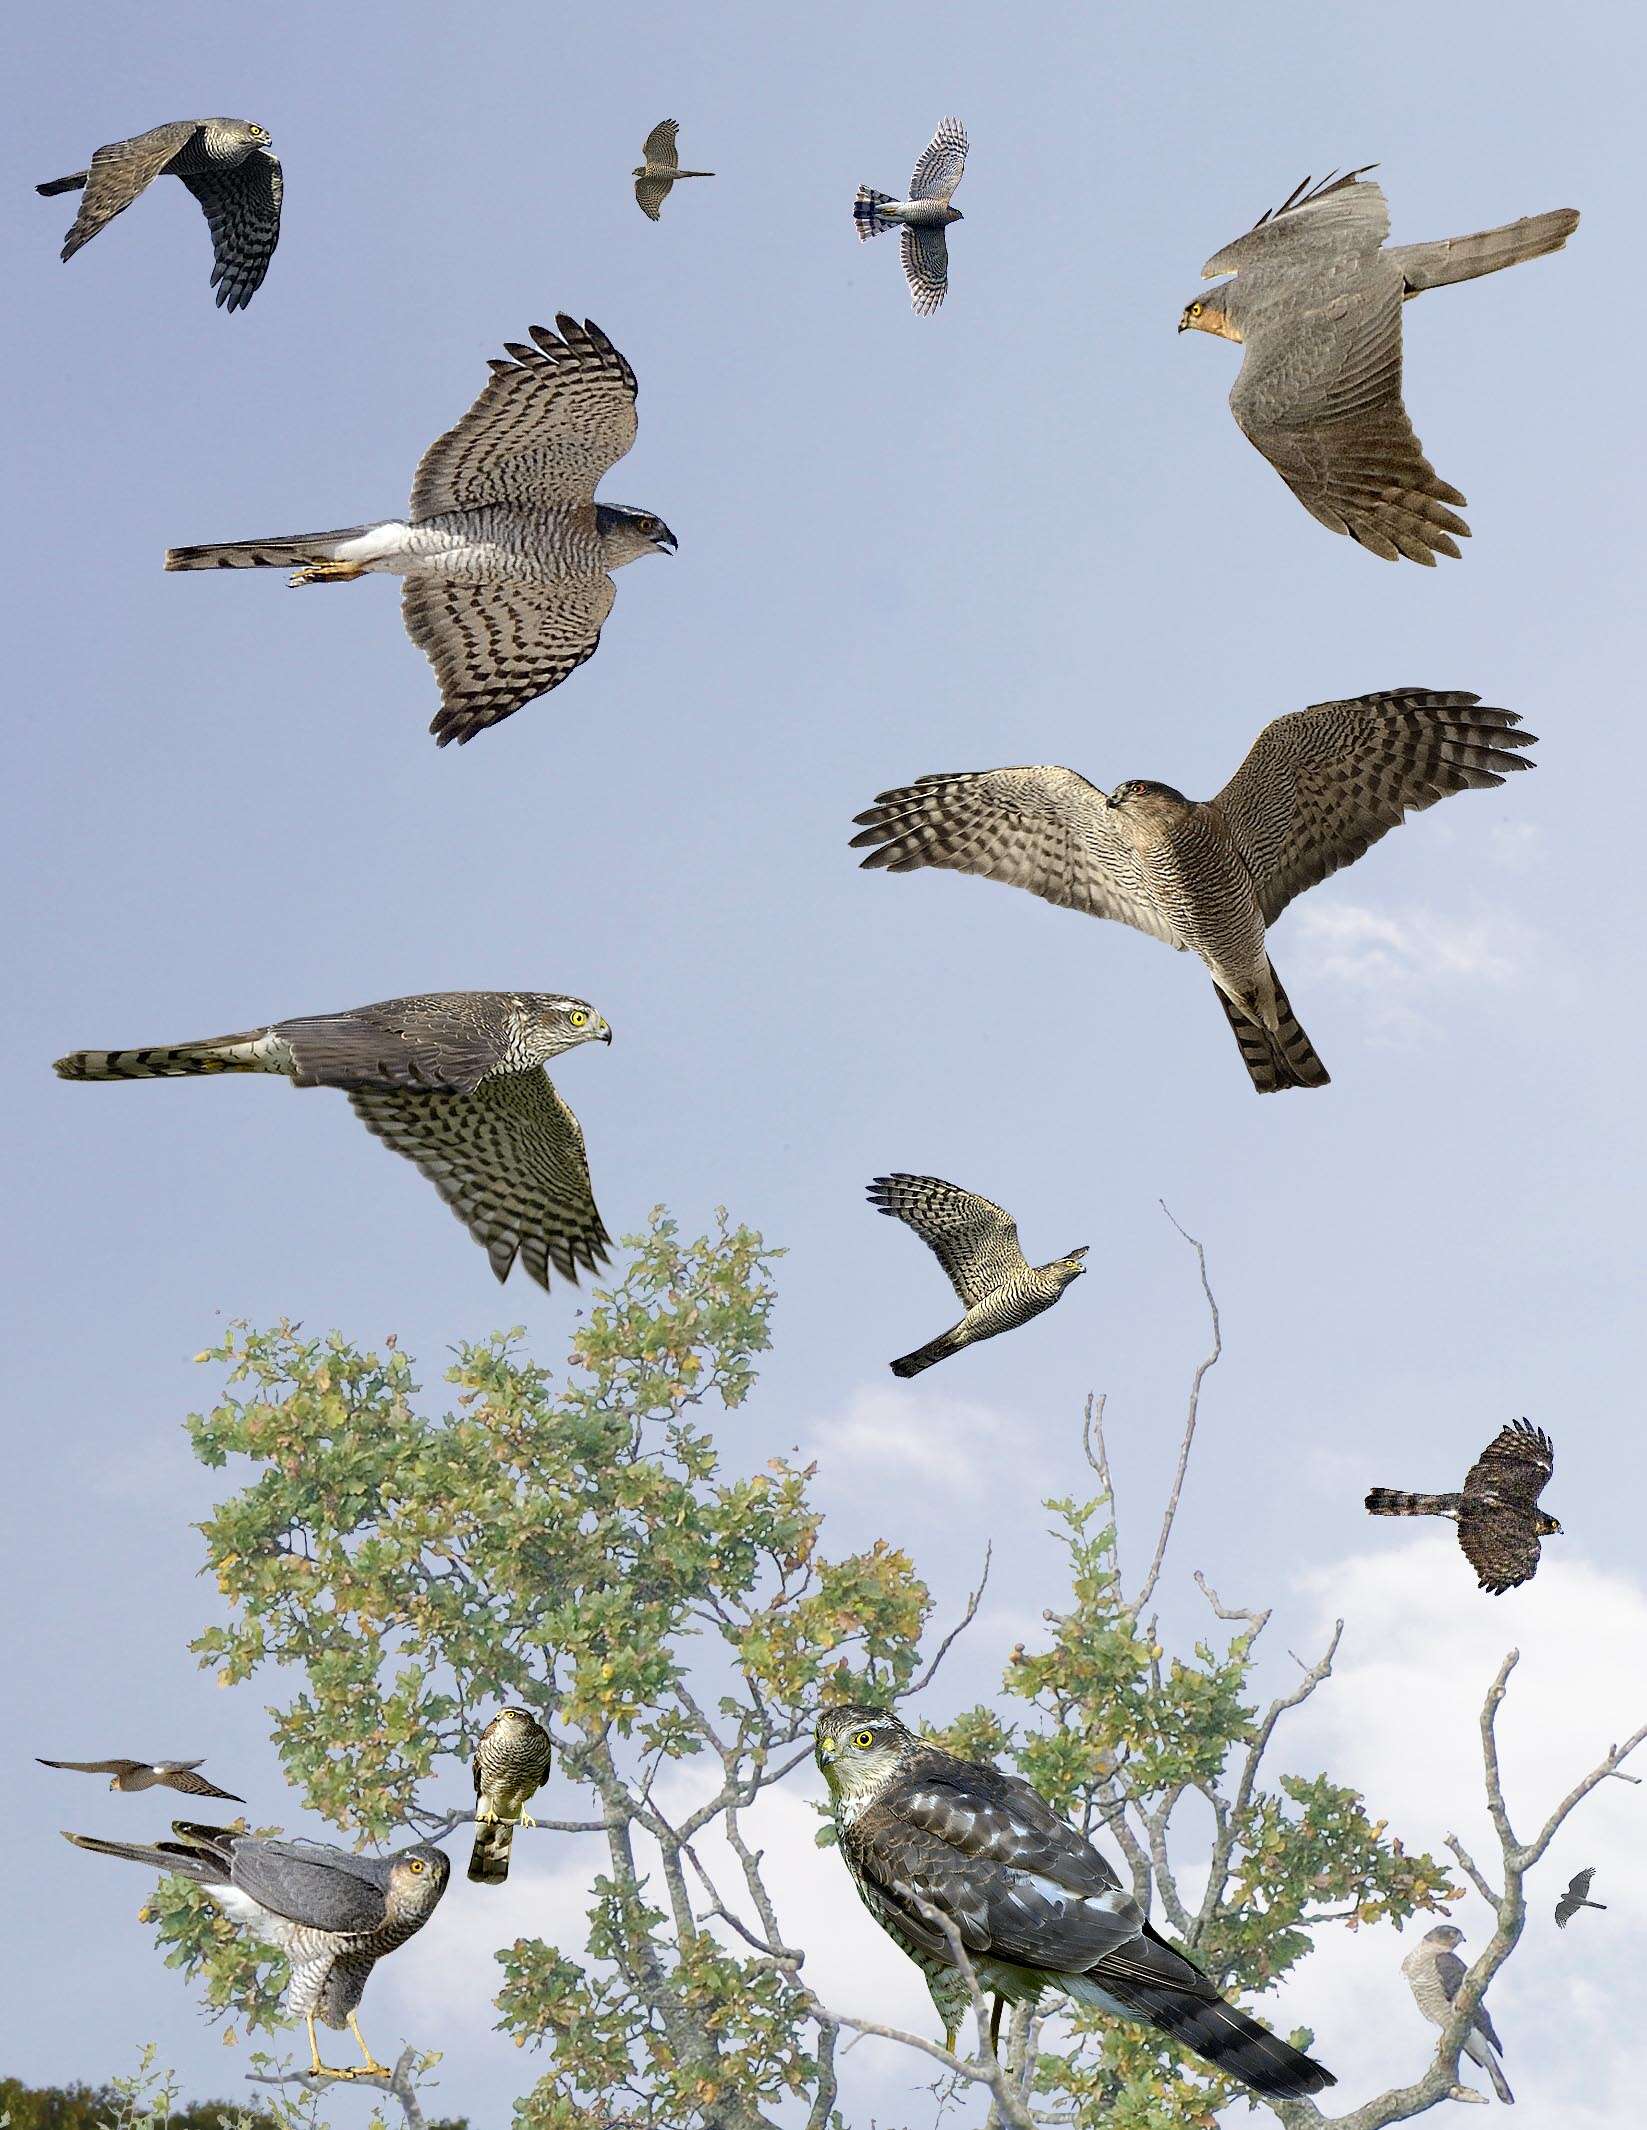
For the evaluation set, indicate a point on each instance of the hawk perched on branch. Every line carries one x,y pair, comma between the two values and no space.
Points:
1211,876
930,1838
1434,1973
512,1760
1316,304
148,1775
1498,1517
923,217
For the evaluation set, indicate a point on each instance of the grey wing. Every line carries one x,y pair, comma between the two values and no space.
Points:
509,1160
99,1767
650,194
1450,1972
497,644
971,1237
118,173
1339,218
444,1041
925,252
1040,827
659,145
942,163
554,418
313,1884
1320,787
242,208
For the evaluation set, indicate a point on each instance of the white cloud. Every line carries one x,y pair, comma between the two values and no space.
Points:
925,1436
1394,962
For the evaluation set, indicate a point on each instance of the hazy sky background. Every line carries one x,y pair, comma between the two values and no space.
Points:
1026,530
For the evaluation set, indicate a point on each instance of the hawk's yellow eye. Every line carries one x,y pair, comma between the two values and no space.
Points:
863,1740
577,1019
414,1864
1195,310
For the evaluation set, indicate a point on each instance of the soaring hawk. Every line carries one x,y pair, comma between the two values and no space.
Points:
660,166
512,1760
148,1775
1576,1897
1434,1972
923,217
1498,1517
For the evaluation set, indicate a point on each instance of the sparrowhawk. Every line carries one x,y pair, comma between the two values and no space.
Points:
512,1759
1434,1972
1576,1897
148,1775
1497,1513
923,217
659,168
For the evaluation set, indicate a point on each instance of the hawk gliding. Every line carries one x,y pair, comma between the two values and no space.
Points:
1498,1517
655,175
923,217
1576,1897
148,1775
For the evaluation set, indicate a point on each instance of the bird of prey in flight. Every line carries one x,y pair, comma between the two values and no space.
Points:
659,168
148,1775
1434,1972
1576,1897
977,1245
512,1760
1316,790
923,217
507,556
226,164
1497,1513
1316,306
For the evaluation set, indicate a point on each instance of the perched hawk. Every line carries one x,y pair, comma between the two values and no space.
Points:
977,1245
1317,790
332,1912
148,1775
659,168
507,557
926,1835
1316,304
1576,1897
1498,1517
455,1082
511,1765
226,164
923,217
1434,1972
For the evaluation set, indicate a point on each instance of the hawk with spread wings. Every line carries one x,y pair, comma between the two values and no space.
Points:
923,217
512,1760
1576,1897
932,1840
453,1080
226,164
1211,876
660,168
506,555
148,1775
1316,305
1497,1513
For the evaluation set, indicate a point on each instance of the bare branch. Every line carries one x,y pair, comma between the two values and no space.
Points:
1170,1513
1258,1621
1576,1796
960,1627
1467,1864
396,2083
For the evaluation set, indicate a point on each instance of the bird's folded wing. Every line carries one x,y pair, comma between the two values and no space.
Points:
1320,787
436,1044
119,172
496,645
1336,219
926,267
242,208
509,1160
1514,1466
971,1237
943,160
650,194
554,418
659,145
1041,828
310,1883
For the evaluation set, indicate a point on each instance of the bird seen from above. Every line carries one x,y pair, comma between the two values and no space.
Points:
226,164
1434,1973
1497,1513
512,1760
506,555
333,1912
977,1245
1576,1897
1317,789
1316,307
659,168
923,217
930,1840
148,1775
453,1080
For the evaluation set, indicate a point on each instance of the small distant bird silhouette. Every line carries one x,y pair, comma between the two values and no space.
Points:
148,1775
1434,1972
923,217
658,172
1498,1517
226,164
512,1760
1576,1897
977,1245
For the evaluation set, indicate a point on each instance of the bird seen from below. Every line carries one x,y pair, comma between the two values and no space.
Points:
1434,1974
659,168
506,555
1316,306
1497,1513
226,164
1576,1897
148,1775
333,1912
977,1245
512,1760
1317,789
453,1080
923,217
930,1839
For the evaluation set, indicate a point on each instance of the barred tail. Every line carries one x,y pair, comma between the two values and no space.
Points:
1487,252
255,1051
280,551
928,1356
489,1858
72,183
1286,1059
1394,1501
1217,2032
866,212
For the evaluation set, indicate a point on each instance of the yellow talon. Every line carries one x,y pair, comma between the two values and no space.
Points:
328,573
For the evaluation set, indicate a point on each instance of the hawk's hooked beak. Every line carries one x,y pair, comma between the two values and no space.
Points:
606,1031
826,1749
665,543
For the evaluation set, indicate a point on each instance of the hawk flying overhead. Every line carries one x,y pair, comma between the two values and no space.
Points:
507,557
927,1836
332,1912
659,168
1498,1517
226,164
1317,789
148,1775
1316,305
1434,1972
977,1245
923,217
1576,1897
455,1082
512,1761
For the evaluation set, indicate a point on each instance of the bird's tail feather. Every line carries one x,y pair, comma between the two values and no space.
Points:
279,551
71,183
1285,1059
1218,2033
1463,258
927,1356
249,1052
866,212
694,173
1495,2071
489,1858
1394,1501
194,1857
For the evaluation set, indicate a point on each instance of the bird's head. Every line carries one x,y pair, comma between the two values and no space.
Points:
1070,1267
1209,313
639,170
858,1747
1444,1937
417,1879
1144,798
261,135
554,1024
954,214
627,533
1548,1527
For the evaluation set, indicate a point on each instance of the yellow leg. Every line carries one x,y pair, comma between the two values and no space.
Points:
371,2068
317,2069
328,573
525,1820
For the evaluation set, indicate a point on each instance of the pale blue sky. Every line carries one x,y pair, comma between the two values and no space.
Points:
1026,530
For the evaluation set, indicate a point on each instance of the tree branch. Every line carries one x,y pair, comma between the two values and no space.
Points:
396,2083
1170,1513
960,1628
